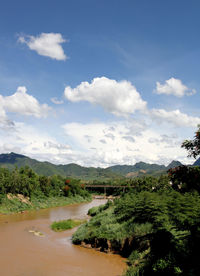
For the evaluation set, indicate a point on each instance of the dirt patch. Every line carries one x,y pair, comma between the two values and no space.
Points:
20,197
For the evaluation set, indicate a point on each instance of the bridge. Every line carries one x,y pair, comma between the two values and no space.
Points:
108,186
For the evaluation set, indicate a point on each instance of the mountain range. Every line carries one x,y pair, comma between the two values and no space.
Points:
11,160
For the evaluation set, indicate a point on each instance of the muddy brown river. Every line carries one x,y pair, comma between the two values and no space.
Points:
24,254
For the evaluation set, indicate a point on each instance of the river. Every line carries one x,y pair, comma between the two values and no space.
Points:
24,254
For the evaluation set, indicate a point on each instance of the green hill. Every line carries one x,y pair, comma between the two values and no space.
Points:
142,168
12,160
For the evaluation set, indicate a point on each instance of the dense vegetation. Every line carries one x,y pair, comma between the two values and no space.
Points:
23,189
156,225
158,230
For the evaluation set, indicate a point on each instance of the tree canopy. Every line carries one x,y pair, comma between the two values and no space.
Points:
193,146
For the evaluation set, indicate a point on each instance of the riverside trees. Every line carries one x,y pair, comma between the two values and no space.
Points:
26,182
22,189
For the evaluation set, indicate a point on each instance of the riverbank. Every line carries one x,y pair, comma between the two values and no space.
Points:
53,253
103,232
9,205
157,231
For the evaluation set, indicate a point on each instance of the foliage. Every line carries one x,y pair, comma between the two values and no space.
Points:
147,183
63,225
97,209
193,146
43,191
172,243
25,181
93,211
14,205
73,187
185,178
157,229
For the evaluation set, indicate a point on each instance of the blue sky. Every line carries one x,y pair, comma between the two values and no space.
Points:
99,83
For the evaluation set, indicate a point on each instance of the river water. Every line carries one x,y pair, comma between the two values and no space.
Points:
24,254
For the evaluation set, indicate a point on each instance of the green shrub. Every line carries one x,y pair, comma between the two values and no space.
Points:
63,225
93,211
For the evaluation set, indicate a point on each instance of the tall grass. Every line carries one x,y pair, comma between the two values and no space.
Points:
63,225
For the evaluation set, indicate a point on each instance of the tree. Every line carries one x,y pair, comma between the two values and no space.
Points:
193,146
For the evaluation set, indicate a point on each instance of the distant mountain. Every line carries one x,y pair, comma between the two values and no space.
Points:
125,169
197,162
174,164
142,168
12,160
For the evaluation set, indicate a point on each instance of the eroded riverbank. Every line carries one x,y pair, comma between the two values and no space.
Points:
19,204
24,254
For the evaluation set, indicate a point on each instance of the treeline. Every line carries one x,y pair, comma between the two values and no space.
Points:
140,184
26,182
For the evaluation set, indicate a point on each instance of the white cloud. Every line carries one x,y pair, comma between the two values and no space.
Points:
4,121
129,138
125,141
22,103
46,44
30,141
151,146
119,98
175,117
56,101
55,145
95,144
174,87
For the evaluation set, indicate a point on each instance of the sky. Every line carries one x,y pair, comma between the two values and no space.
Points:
99,83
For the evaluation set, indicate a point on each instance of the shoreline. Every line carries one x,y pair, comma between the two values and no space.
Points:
15,207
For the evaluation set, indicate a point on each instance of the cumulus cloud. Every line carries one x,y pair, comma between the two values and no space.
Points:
92,145
119,98
4,121
58,146
175,117
168,140
174,87
110,135
46,44
22,103
56,101
103,141
35,143
129,138
127,148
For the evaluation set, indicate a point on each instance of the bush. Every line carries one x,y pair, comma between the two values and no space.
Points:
63,225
